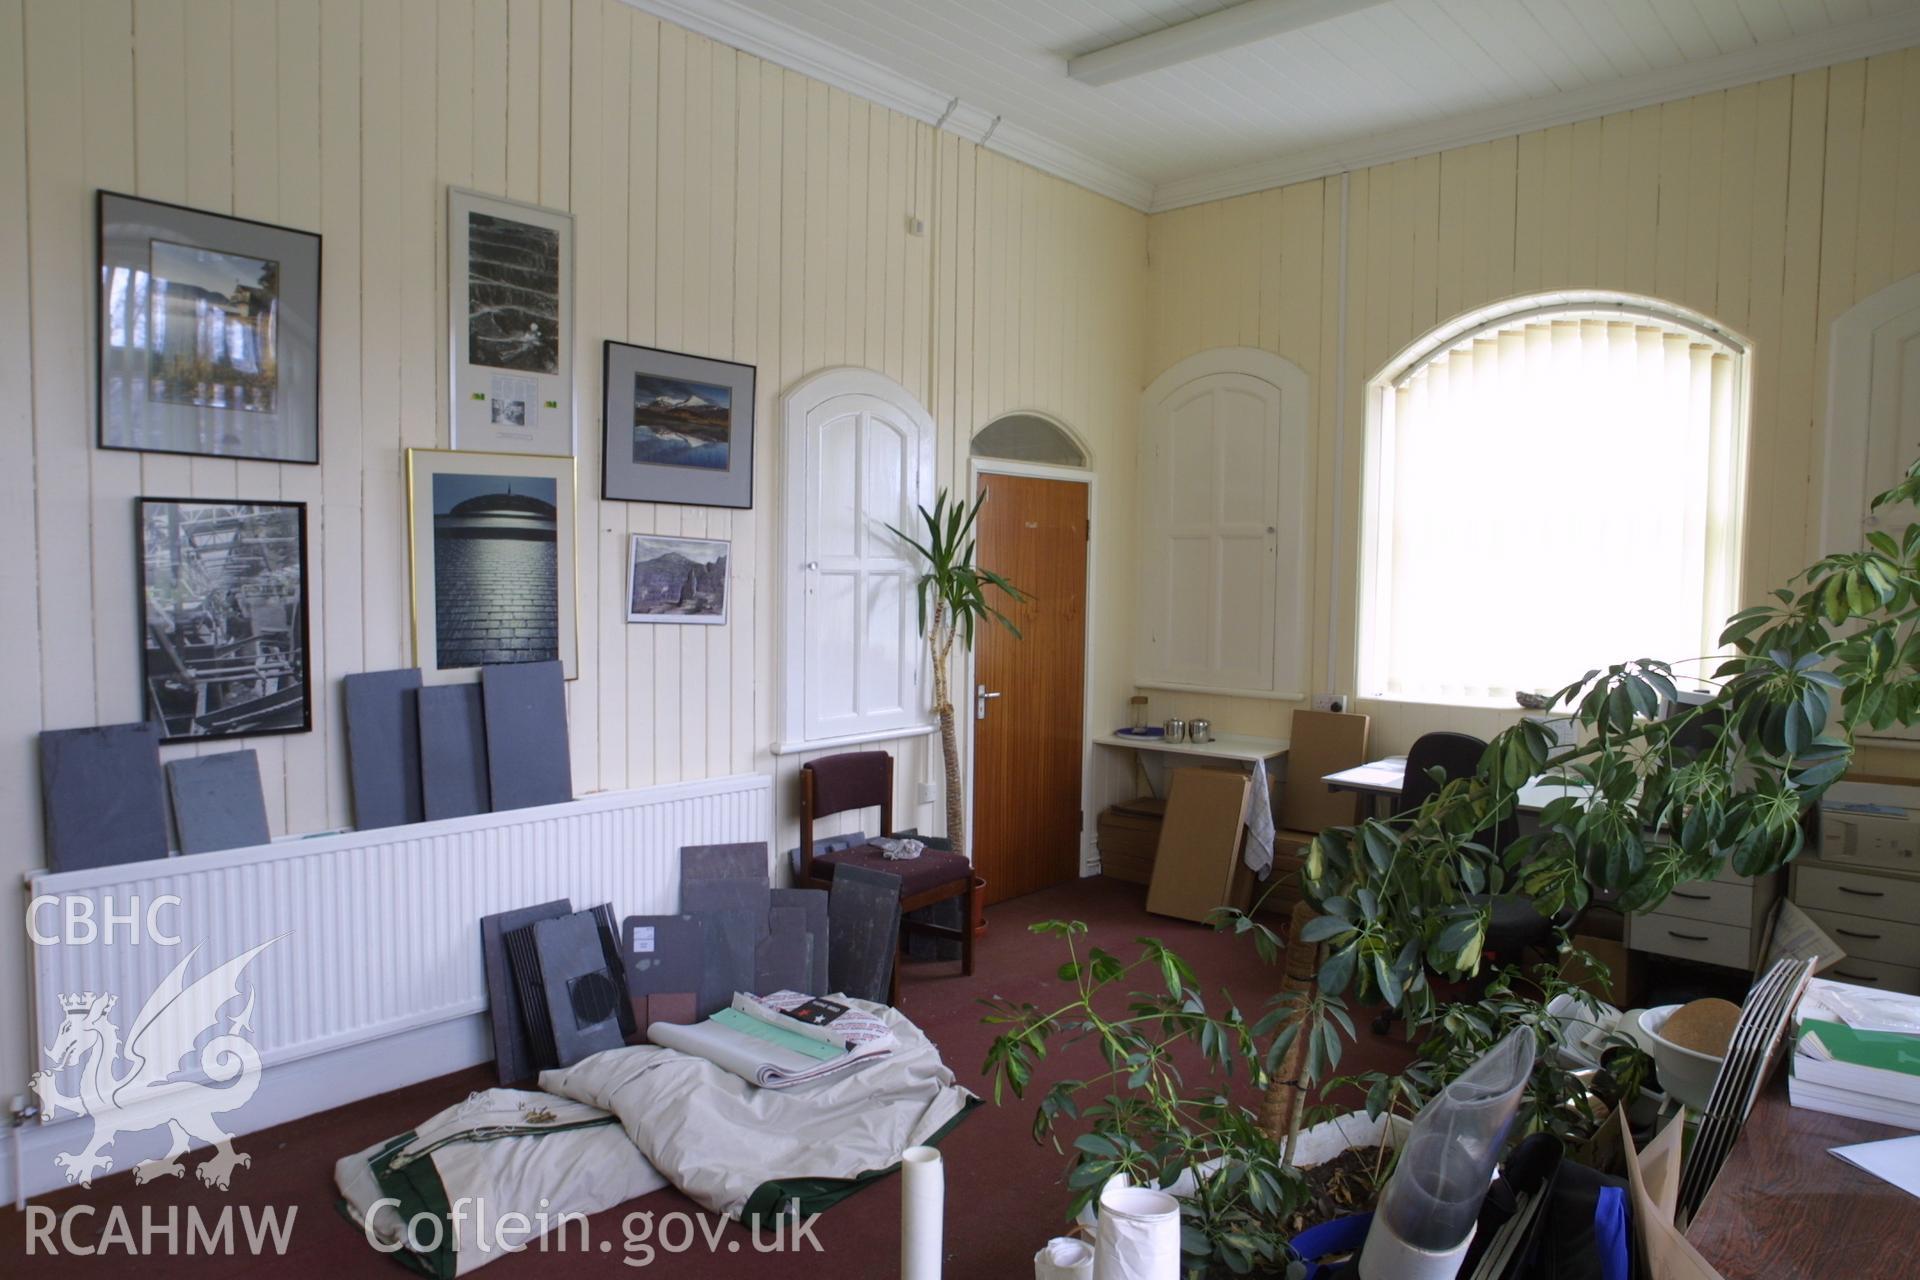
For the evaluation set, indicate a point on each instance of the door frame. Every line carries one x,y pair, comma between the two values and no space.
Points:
976,468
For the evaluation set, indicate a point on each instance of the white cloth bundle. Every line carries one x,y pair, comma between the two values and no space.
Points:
1064,1258
1139,1235
1258,851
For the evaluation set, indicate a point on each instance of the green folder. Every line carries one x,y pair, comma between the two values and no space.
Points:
1885,1050
738,1021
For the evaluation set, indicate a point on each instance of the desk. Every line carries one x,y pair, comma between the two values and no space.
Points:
1783,1207
1384,778
1233,748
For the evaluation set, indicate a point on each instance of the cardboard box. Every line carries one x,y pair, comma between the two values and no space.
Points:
1618,987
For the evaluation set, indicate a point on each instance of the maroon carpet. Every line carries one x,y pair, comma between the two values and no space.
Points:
1005,1193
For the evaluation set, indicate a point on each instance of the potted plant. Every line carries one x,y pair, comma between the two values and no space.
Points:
953,596
1663,791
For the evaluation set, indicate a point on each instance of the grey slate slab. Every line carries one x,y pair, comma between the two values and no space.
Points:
383,747
784,961
812,902
453,752
724,862
513,1050
585,996
217,802
526,714
734,916
664,955
863,910
102,796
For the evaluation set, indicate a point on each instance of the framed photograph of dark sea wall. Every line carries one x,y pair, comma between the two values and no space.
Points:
510,313
677,579
223,594
679,428
209,333
491,541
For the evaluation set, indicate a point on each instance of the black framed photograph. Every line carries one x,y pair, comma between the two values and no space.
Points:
679,580
492,548
223,594
678,428
510,315
209,333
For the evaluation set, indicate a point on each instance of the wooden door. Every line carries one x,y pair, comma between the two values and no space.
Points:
1028,745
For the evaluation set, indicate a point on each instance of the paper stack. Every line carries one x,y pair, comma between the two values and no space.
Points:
761,1040
1857,1053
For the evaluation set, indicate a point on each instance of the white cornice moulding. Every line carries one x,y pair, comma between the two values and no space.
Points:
1728,70
734,24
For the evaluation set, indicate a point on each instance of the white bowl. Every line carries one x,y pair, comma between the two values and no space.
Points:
1685,1073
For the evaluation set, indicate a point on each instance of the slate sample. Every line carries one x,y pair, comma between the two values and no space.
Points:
526,713
784,961
102,796
513,1050
678,1007
863,924
813,902
724,862
453,752
585,996
610,951
217,802
663,955
383,747
734,915
826,844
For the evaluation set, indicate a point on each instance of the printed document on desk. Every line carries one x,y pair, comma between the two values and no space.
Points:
1895,1160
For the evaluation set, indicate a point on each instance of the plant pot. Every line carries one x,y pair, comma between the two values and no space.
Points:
979,908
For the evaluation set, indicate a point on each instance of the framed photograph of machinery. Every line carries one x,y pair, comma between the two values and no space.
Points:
209,333
491,542
679,428
223,596
510,318
677,579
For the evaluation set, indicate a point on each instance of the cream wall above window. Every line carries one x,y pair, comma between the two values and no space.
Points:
1551,484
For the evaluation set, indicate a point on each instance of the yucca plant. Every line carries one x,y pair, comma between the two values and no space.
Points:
953,597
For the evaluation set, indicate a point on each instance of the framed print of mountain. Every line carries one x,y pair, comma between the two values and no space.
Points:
677,580
510,316
209,333
678,428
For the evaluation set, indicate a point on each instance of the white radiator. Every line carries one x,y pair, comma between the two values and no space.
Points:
378,930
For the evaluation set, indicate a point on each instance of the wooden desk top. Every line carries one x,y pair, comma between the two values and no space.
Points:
1782,1206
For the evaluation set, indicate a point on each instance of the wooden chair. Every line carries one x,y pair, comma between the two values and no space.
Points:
863,780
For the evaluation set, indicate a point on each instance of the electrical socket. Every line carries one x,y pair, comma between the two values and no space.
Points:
1330,701
929,793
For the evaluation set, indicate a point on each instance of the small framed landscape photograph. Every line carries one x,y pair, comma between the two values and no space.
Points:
678,580
209,334
223,596
678,428
492,549
510,314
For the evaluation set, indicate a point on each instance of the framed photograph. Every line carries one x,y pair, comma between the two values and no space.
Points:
209,333
678,580
678,428
491,540
510,315
223,591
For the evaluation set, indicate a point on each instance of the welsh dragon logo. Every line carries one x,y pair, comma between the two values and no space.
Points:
132,1088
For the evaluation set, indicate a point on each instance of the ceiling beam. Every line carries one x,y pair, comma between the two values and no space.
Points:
1211,33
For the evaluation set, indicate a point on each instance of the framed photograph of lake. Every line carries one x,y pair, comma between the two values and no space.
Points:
510,318
209,333
681,580
491,545
678,428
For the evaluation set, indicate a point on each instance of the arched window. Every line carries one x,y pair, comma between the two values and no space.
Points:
1551,485
1028,437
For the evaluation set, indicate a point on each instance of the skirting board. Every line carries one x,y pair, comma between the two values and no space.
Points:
287,1092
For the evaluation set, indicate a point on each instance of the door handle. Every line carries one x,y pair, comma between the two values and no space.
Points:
980,696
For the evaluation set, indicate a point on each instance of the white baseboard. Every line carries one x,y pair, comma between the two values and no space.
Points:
287,1092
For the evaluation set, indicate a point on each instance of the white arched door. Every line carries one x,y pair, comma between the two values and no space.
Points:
1873,420
1227,509
859,457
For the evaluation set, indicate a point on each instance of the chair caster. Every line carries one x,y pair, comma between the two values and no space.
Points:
1382,1024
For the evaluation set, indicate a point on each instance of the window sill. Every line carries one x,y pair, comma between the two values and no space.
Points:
853,739
1455,704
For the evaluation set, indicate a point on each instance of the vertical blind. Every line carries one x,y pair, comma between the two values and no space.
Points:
1546,496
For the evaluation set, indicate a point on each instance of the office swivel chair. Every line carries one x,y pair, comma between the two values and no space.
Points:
1515,923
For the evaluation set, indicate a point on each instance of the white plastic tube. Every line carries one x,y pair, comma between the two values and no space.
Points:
923,1195
1064,1258
1139,1235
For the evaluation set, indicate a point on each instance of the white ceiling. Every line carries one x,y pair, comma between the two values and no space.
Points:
1388,80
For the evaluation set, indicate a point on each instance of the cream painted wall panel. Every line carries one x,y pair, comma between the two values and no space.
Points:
1772,207
701,181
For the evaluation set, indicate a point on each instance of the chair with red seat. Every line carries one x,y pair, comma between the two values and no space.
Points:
864,780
